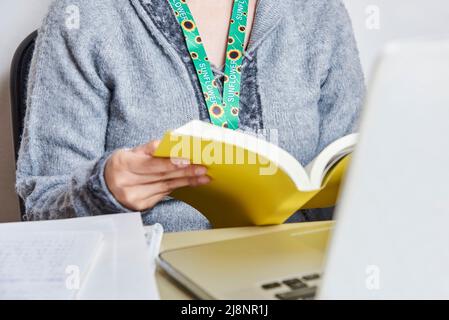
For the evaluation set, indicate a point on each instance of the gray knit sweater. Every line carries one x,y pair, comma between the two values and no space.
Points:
124,77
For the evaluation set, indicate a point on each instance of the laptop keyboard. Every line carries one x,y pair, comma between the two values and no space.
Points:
297,288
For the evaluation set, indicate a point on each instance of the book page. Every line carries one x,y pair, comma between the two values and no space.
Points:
45,265
337,150
281,158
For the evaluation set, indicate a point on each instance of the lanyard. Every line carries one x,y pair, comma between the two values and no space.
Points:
223,111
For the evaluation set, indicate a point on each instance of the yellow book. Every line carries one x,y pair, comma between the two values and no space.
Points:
254,182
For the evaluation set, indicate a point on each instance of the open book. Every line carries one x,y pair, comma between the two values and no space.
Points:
254,182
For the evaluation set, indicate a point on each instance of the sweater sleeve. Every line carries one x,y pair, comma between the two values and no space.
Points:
62,155
343,87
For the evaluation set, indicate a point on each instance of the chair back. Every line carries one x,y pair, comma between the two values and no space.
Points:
20,68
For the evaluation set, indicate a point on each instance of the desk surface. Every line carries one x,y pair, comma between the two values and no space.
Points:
168,289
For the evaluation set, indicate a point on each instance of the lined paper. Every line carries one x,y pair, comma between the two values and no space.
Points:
46,265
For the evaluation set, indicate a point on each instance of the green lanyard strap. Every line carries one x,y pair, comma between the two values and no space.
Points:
224,111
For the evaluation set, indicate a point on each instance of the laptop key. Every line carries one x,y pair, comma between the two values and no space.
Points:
294,283
271,285
313,276
297,285
303,293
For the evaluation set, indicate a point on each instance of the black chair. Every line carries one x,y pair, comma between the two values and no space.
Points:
20,68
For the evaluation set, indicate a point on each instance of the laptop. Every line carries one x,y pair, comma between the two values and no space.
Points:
390,237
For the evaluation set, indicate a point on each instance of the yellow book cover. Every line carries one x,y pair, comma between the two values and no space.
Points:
254,182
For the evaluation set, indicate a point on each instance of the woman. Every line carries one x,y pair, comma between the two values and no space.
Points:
101,95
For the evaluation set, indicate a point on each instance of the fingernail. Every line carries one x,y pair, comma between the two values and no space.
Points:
181,163
200,171
204,180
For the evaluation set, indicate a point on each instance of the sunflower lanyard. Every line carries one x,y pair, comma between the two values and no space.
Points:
223,111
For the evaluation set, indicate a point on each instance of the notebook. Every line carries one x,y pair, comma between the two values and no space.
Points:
123,268
45,265
254,182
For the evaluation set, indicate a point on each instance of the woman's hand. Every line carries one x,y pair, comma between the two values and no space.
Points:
139,181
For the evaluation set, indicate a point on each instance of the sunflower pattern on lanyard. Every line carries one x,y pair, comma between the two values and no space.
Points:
223,111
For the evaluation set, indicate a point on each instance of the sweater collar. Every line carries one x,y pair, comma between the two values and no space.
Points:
267,17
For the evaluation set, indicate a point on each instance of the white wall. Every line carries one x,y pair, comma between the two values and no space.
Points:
398,19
